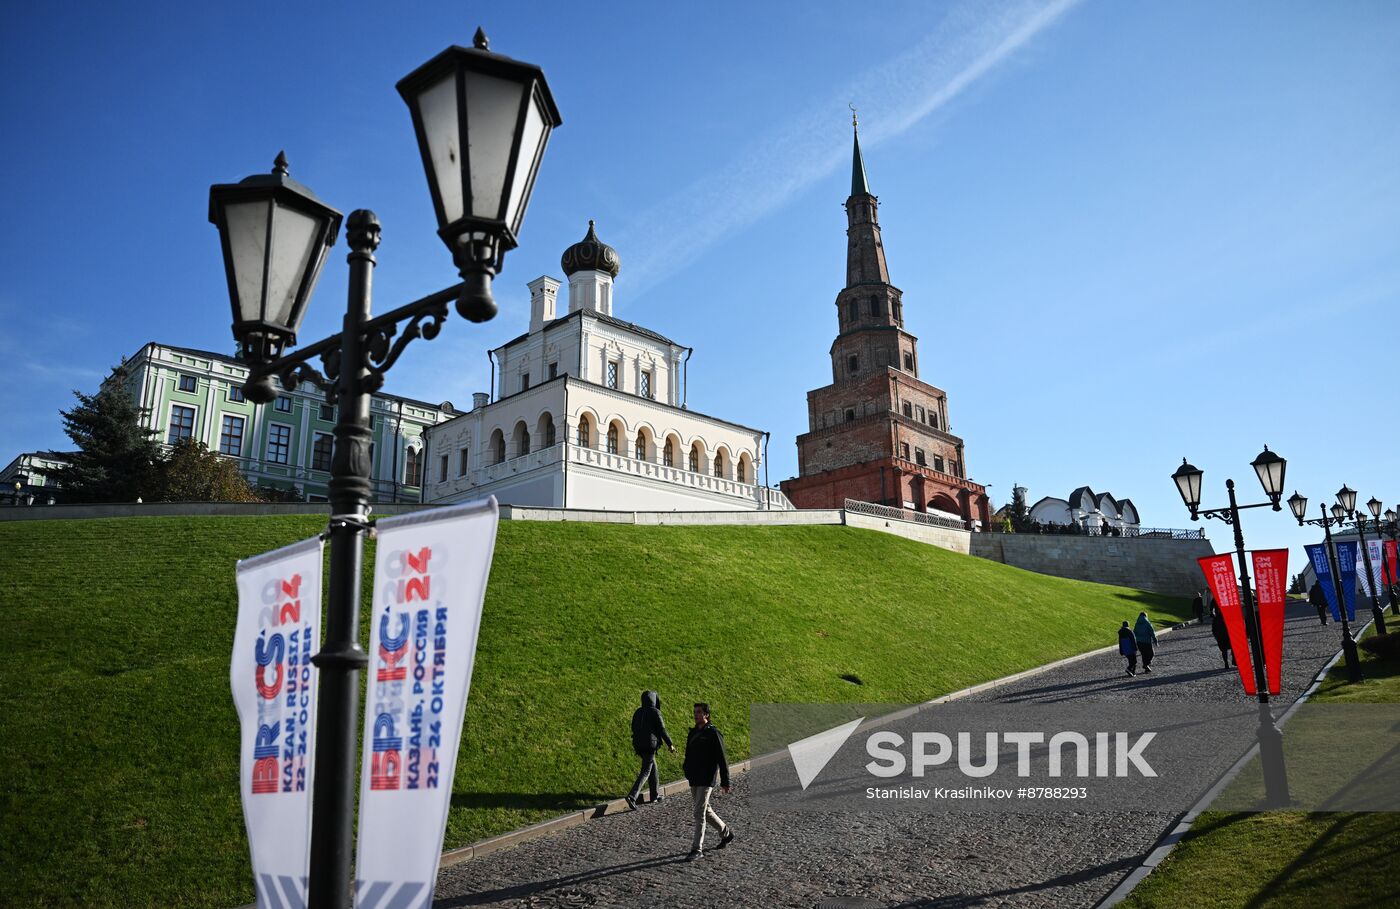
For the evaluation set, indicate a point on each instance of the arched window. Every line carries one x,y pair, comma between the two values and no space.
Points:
743,474
549,434
612,439
668,456
719,466
413,468
639,448
583,432
498,446
694,460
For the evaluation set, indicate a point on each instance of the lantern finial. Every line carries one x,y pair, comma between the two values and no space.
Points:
480,41
279,166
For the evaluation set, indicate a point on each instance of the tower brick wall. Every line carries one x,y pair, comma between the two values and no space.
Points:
878,432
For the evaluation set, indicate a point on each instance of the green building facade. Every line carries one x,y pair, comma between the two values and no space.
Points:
286,444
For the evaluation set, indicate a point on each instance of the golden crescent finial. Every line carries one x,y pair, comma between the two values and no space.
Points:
854,122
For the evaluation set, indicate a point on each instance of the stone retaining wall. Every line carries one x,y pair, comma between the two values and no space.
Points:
1147,563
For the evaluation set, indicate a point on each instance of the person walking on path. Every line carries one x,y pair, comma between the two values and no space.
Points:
704,762
1127,646
648,732
1319,601
1198,609
1221,635
1146,639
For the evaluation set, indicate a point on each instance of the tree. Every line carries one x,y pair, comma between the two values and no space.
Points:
1017,511
117,455
193,473
1296,584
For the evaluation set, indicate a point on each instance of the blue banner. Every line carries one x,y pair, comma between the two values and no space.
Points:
1346,573
1322,567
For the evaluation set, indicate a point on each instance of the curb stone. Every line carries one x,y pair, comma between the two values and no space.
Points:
1178,831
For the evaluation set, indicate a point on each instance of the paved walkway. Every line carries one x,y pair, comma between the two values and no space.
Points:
1060,860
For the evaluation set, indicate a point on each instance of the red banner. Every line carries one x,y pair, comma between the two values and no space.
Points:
1391,560
1224,586
1270,580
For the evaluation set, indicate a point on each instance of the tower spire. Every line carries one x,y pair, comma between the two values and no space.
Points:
859,184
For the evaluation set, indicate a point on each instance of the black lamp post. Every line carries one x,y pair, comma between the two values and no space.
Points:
1374,506
482,121
1298,504
1269,467
1391,528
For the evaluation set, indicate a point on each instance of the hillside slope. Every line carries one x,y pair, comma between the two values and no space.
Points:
121,738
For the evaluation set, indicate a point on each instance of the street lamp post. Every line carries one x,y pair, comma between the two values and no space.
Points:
1391,529
1298,504
482,121
1269,467
1374,506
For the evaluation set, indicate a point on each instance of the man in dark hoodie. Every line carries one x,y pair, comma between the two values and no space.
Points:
648,732
704,761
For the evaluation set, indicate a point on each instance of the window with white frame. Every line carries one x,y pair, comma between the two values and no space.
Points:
719,466
231,436
412,468
524,381
644,386
279,443
284,404
442,469
235,394
462,462
919,457
938,464
327,413
612,439
694,460
742,474
181,424
668,455
322,445
614,368
189,383
639,447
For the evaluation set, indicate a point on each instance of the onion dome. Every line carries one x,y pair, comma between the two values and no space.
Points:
590,254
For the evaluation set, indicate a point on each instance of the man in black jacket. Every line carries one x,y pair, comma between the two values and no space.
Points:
648,732
704,761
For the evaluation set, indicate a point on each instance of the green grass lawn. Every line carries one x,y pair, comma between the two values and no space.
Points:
121,739
1340,860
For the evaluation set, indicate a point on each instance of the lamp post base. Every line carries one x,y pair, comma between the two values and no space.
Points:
1276,792
1351,657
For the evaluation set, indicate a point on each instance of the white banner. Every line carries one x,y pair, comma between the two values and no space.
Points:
1373,554
274,689
429,583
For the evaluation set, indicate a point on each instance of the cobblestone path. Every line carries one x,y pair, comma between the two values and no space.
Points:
636,859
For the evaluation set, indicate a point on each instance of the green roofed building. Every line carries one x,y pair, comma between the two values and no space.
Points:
285,444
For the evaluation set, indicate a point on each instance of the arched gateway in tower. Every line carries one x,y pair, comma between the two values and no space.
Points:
879,433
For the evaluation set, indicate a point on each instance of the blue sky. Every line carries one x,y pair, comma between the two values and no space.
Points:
1125,232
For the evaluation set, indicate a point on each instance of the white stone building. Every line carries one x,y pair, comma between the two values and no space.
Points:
1089,510
591,413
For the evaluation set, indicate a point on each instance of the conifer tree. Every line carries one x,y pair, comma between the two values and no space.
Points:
117,455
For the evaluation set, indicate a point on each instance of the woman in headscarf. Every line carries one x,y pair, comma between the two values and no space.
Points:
1127,646
1146,637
